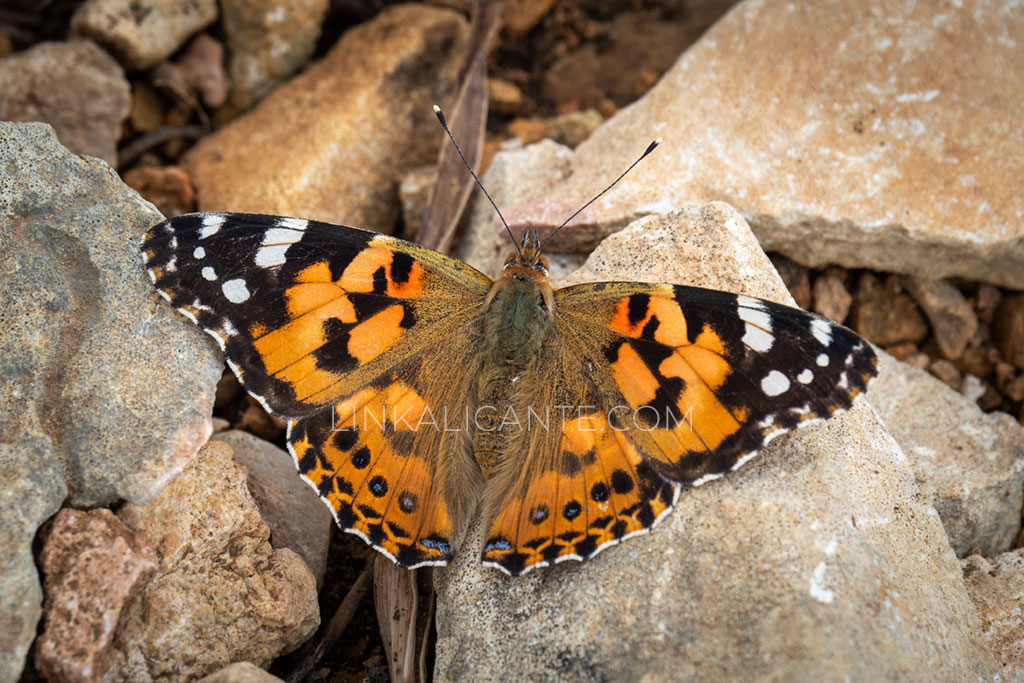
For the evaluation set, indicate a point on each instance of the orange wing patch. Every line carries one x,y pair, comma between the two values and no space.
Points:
361,458
599,492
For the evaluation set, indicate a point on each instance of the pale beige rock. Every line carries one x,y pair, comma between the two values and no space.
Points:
968,464
93,565
332,142
819,560
240,672
297,518
844,133
268,41
221,593
74,86
143,32
997,588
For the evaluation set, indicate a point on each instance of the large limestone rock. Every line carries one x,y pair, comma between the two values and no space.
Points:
775,571
844,132
331,143
110,391
969,464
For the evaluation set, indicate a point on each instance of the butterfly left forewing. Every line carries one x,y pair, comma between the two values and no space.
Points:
308,312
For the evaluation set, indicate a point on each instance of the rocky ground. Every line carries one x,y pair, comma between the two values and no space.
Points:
155,529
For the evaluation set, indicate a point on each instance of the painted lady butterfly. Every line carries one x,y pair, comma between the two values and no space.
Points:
416,386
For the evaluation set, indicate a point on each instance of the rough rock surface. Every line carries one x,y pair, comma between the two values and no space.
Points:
76,87
143,32
968,464
125,385
845,134
240,672
268,41
997,588
297,518
221,594
93,566
332,142
771,572
110,390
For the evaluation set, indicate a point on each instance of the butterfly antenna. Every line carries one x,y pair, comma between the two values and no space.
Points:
650,148
440,117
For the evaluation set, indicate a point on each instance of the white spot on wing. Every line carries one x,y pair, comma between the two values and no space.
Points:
275,244
822,360
281,236
293,223
749,302
822,331
774,383
757,339
756,316
268,257
235,290
211,224
209,273
805,377
199,253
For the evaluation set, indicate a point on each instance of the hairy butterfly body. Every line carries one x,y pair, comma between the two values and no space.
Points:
416,387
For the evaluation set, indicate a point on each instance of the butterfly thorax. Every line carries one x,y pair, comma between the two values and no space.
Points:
515,324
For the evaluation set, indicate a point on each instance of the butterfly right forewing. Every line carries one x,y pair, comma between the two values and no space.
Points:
706,378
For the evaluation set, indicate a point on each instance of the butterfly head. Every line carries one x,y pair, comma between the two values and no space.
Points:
527,260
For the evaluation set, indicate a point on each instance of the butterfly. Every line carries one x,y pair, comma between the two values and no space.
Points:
417,388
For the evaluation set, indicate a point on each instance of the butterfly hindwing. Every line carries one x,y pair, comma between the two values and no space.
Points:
584,487
308,312
393,461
